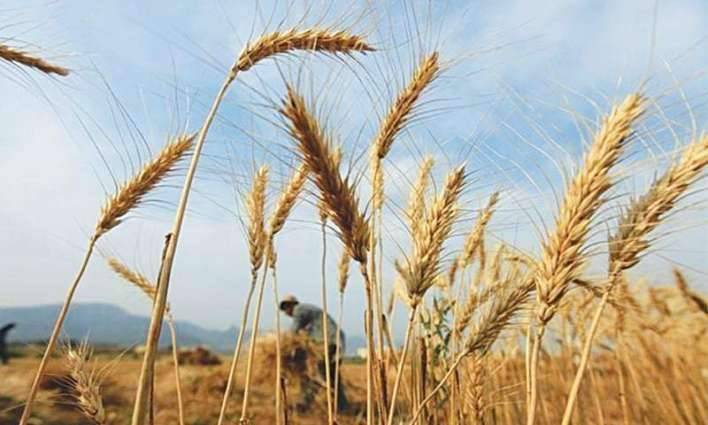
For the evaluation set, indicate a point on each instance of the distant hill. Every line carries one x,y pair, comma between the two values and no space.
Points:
106,324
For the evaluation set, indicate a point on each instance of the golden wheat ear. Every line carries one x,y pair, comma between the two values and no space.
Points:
136,279
19,57
255,210
311,39
336,194
421,269
131,193
562,251
416,199
287,199
646,212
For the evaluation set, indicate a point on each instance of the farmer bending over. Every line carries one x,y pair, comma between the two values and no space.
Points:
307,319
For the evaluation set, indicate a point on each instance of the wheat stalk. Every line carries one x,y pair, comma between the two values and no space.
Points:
16,56
312,39
285,204
420,269
641,217
148,288
128,197
423,266
562,251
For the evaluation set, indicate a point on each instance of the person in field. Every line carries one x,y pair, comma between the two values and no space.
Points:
3,342
307,319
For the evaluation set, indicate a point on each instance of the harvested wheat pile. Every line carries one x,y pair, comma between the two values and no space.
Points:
198,356
300,357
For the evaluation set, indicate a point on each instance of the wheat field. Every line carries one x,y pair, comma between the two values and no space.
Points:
494,333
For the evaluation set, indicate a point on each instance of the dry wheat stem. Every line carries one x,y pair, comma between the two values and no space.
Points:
16,56
278,351
51,343
253,340
441,384
626,247
237,350
562,251
148,288
141,398
325,330
284,206
402,362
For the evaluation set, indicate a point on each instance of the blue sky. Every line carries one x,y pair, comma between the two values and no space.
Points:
523,84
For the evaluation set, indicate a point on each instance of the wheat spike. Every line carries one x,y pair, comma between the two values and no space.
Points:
397,117
400,112
336,194
131,193
137,279
419,271
562,251
321,207
647,211
255,210
343,272
416,199
287,200
19,57
500,314
474,238
295,39
85,383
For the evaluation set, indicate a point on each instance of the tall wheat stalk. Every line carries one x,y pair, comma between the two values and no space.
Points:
342,280
398,116
339,199
641,217
257,239
129,196
285,204
420,270
266,46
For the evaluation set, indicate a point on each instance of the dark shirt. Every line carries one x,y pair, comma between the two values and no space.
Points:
308,318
